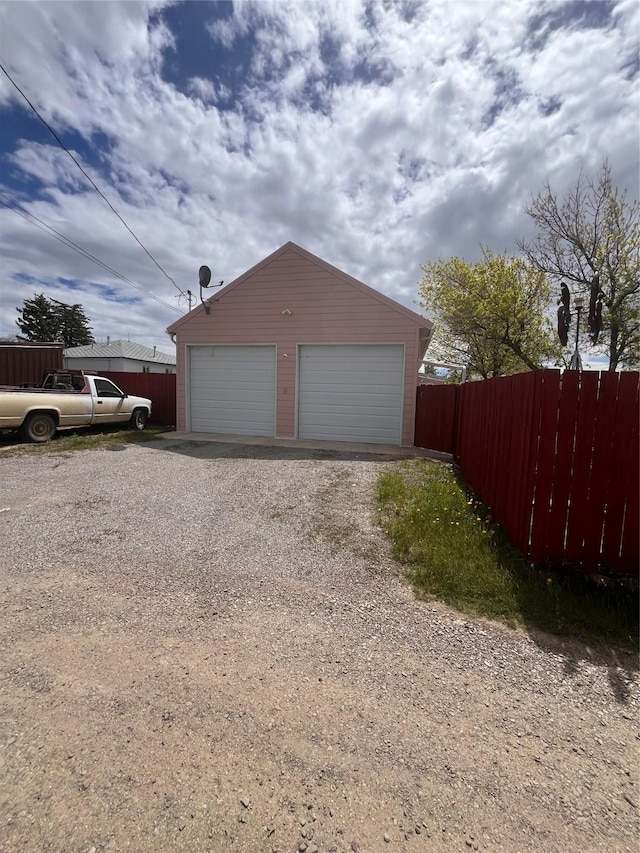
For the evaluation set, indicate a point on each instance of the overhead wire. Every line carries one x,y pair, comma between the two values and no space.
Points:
87,176
62,238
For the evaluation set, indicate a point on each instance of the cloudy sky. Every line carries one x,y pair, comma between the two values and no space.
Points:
377,135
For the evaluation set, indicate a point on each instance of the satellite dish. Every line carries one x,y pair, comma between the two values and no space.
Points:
204,274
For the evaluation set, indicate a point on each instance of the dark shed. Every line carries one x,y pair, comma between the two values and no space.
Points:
23,362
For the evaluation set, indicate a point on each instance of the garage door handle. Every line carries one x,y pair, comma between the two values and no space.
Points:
99,402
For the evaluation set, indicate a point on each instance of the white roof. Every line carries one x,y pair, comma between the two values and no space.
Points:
120,349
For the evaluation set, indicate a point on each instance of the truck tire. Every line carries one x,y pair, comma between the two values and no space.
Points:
38,427
138,419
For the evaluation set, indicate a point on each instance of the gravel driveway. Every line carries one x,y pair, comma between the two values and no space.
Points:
209,647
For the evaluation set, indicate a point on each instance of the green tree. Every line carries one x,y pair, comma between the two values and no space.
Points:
454,377
75,330
490,315
593,229
42,319
37,320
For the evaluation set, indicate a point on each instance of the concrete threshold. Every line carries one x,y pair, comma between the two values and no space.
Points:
311,444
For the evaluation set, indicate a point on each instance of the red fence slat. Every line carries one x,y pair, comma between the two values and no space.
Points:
619,472
538,550
564,463
630,545
526,482
598,394
593,519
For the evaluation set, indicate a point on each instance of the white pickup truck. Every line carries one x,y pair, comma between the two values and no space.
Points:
68,400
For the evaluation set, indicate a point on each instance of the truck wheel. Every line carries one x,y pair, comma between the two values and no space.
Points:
38,427
138,419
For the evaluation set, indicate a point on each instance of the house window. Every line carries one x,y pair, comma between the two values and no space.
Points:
145,369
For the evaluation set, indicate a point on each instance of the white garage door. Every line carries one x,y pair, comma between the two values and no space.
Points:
351,392
233,389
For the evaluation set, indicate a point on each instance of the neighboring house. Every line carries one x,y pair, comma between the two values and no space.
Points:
121,357
295,348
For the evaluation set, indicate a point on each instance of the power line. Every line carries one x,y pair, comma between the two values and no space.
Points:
96,188
66,241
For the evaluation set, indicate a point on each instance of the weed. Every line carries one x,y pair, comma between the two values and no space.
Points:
455,553
85,440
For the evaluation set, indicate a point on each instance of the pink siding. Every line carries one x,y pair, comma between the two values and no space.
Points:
325,308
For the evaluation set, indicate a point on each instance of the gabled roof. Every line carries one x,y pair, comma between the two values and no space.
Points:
120,349
417,318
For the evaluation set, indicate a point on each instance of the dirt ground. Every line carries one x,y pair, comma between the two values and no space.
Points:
210,649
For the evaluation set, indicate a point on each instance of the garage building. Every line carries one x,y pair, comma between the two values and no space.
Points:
295,348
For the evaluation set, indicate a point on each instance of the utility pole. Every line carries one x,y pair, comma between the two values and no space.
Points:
564,322
576,361
188,295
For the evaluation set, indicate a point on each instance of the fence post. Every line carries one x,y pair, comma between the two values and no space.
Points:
457,404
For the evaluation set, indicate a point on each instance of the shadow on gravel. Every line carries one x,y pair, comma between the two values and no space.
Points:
622,666
610,612
228,450
9,440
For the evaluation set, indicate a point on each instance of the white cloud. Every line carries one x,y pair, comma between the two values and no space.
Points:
376,136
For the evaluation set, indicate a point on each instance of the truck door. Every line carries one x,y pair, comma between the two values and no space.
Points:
108,402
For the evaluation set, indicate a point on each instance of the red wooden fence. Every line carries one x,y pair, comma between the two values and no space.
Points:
555,457
435,417
160,388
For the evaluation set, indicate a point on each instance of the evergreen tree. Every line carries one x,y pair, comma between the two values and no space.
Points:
38,320
46,320
74,325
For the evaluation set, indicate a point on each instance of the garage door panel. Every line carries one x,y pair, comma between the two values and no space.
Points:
240,397
344,413
233,378
233,408
355,434
351,381
232,390
351,392
325,398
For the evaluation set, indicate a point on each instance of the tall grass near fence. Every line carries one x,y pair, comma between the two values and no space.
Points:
455,553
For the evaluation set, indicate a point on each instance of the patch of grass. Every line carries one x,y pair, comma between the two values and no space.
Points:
456,554
86,440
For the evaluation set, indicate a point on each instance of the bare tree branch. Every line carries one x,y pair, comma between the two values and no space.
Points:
593,229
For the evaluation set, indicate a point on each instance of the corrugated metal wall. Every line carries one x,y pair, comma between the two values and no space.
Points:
25,363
